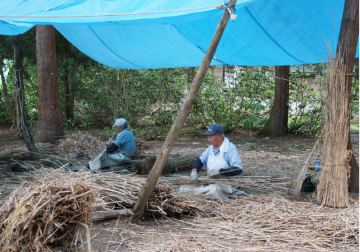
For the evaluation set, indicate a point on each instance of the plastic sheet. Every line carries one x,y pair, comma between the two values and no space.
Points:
142,34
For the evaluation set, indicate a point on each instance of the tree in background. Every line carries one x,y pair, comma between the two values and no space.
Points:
278,122
50,125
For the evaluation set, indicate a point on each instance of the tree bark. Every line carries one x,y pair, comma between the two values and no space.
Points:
20,103
348,38
50,125
180,119
337,160
8,102
69,113
278,122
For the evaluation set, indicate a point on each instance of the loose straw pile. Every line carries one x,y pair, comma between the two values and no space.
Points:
261,223
54,210
83,143
86,144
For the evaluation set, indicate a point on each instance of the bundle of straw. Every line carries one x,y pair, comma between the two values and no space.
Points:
333,187
52,211
83,143
125,190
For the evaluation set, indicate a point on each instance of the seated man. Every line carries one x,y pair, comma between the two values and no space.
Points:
122,149
221,159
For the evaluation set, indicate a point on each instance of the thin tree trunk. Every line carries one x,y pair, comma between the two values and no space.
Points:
8,102
278,122
50,125
20,103
68,112
125,93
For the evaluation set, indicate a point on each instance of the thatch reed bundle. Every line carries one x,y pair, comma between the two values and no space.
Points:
53,210
333,186
23,153
125,190
83,143
172,165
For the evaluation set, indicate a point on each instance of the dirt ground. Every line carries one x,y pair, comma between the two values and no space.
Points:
280,157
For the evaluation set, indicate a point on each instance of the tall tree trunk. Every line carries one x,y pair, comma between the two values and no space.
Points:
8,102
278,122
348,39
20,103
50,125
69,112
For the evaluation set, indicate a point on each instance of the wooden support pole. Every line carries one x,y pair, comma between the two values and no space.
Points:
179,121
297,184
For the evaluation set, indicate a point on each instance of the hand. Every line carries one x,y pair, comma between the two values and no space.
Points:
194,177
213,173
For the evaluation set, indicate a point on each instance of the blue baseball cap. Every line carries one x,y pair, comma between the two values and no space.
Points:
214,129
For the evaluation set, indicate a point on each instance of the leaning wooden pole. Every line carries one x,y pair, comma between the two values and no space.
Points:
179,121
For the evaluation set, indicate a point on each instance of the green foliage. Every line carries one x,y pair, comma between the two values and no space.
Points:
151,99
306,101
242,102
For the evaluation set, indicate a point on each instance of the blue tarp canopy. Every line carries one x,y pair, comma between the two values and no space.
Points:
140,34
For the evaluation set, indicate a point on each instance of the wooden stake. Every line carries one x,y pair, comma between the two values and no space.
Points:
179,121
297,184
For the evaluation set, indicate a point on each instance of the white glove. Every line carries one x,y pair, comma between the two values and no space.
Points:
110,141
194,177
212,173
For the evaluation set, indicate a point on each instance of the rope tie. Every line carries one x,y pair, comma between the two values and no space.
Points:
231,9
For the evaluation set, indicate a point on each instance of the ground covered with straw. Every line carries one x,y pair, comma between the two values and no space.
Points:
259,223
264,219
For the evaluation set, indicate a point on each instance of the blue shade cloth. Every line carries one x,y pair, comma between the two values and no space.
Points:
141,34
231,157
126,141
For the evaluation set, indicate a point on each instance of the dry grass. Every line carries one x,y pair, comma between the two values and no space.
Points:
261,223
333,186
86,144
83,143
53,210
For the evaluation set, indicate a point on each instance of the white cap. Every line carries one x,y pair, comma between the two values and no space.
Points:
121,122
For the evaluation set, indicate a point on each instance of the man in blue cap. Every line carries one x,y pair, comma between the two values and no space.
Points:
221,159
121,149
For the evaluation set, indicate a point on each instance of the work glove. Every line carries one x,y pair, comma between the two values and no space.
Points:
213,173
111,141
194,177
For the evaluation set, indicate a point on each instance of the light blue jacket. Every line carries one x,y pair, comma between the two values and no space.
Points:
126,141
